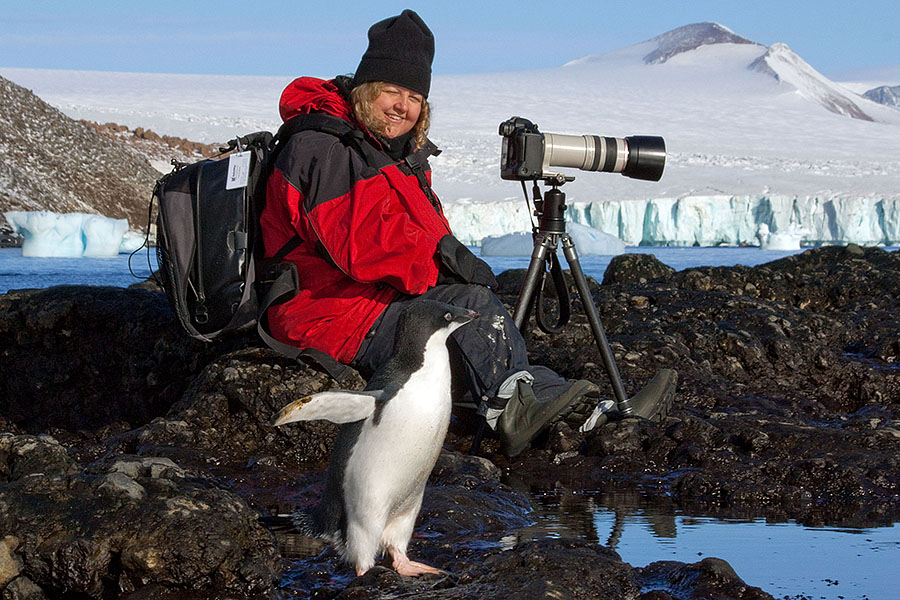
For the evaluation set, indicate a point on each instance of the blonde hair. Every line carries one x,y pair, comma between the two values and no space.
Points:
363,96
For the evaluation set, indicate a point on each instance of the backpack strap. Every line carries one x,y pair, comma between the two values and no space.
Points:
284,287
336,126
416,161
287,248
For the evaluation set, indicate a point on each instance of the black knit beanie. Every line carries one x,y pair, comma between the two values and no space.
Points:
400,51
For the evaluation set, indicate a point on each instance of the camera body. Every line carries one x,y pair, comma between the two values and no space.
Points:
528,154
522,150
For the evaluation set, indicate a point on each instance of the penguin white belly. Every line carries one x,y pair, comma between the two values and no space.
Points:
386,473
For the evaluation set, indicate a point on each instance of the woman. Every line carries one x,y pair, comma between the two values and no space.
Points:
372,235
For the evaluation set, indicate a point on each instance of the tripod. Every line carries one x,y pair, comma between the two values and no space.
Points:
550,231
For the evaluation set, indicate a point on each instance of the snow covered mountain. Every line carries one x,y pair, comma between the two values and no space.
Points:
887,95
754,135
777,61
785,66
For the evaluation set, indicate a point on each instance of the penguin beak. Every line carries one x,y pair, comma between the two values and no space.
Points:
289,413
459,318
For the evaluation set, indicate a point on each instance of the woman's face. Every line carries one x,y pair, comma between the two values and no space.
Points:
399,108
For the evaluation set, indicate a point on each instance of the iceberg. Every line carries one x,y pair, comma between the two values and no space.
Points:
788,239
132,241
588,241
48,234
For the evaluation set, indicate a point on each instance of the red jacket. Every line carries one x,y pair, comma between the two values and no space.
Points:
368,234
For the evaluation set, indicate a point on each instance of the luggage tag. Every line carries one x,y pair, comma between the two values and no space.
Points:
238,170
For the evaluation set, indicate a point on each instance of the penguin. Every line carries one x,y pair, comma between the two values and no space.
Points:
390,438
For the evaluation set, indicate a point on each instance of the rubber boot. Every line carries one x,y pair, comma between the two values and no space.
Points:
656,399
652,403
525,416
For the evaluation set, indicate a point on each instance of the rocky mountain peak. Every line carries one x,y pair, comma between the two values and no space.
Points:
885,94
690,37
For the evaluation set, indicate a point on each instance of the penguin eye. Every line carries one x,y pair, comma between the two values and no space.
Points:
448,317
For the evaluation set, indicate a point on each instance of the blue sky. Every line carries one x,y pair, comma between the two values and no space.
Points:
259,37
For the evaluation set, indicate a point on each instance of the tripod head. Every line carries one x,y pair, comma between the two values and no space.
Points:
550,206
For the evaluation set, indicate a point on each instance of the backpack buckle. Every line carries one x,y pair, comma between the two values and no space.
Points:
201,315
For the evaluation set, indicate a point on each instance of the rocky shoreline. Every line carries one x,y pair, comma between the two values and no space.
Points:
8,239
137,463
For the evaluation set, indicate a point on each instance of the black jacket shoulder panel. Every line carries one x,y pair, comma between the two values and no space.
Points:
321,166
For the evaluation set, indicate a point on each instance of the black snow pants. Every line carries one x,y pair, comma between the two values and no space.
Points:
485,354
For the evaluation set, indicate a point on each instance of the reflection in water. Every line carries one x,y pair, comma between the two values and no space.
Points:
567,514
781,558
784,559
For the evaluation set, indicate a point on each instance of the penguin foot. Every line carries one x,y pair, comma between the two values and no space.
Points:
411,568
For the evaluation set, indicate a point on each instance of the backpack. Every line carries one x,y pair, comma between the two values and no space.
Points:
209,247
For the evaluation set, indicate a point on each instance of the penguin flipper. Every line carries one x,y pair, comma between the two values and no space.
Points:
337,406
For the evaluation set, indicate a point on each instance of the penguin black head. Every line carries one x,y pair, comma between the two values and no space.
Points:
423,318
422,323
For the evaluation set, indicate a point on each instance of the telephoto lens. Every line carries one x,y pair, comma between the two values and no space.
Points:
637,156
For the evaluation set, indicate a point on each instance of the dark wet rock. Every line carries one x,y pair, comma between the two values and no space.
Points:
21,456
80,358
709,579
636,268
788,408
123,523
562,568
465,499
226,413
549,568
8,239
464,529
509,281
111,367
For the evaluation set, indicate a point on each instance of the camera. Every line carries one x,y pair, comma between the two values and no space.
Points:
528,154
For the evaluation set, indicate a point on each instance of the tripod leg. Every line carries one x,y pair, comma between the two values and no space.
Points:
609,362
547,244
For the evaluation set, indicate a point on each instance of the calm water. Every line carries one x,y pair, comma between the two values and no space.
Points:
677,258
785,559
17,272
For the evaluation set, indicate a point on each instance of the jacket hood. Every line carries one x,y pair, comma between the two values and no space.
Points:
305,95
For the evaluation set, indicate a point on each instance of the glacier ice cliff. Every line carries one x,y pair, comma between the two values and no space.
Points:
48,234
708,220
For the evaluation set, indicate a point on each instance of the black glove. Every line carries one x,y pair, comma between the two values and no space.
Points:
459,265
